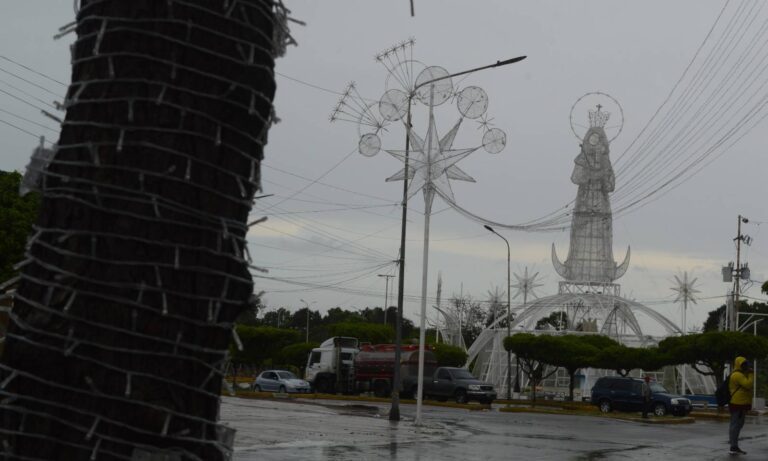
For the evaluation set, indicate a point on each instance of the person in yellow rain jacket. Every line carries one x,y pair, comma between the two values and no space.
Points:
740,385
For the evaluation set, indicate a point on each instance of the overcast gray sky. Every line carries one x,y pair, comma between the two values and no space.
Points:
636,51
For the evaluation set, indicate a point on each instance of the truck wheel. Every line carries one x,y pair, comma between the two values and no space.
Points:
323,386
461,396
605,406
659,409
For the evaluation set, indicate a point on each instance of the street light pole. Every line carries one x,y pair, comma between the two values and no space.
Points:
394,414
394,410
306,305
509,313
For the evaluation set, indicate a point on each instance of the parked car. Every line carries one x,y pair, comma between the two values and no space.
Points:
458,384
625,394
280,381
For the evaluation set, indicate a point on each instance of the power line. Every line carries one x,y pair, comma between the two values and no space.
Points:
20,129
311,85
29,121
314,181
30,82
330,210
24,101
33,70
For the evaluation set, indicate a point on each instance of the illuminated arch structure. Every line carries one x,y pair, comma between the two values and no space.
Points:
588,294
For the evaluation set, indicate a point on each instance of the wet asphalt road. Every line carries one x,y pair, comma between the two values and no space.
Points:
289,430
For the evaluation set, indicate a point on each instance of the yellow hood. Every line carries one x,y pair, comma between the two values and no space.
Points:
737,363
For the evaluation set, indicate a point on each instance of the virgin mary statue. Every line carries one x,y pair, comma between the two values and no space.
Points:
590,256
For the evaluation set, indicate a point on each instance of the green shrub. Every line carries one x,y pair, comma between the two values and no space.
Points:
374,333
261,344
295,355
449,356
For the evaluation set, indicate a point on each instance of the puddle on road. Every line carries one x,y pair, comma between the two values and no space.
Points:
545,437
602,454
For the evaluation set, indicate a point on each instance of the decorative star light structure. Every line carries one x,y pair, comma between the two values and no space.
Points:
432,162
526,284
429,162
685,292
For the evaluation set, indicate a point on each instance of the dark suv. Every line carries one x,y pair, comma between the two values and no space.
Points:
625,394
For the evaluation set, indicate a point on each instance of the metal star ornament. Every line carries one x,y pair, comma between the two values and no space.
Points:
526,284
684,289
432,161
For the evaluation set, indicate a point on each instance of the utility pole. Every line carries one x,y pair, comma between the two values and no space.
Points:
739,273
386,295
306,305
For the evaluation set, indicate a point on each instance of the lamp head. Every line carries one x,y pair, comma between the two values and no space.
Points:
489,228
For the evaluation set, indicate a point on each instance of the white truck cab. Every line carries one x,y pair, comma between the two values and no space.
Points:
322,371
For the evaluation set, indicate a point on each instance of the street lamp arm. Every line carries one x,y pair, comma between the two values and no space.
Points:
496,64
502,237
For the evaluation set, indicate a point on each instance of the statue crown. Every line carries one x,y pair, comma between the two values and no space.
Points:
598,118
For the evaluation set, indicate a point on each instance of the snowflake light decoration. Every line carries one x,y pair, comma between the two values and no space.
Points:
526,284
685,290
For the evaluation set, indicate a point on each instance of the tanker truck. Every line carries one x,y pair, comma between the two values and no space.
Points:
365,368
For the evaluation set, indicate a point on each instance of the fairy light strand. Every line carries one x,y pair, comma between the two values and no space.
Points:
138,264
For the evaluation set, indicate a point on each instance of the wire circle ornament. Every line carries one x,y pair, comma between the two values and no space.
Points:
403,74
494,141
472,102
367,118
393,105
369,145
599,100
443,89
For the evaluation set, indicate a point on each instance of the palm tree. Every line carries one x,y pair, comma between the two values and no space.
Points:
138,267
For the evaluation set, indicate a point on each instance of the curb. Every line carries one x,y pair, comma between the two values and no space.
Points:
547,411
354,398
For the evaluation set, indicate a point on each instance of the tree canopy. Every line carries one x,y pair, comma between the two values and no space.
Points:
554,321
716,318
572,352
17,214
294,355
261,344
531,352
710,352
624,359
374,333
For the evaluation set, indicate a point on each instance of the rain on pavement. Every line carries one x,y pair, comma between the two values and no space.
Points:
339,430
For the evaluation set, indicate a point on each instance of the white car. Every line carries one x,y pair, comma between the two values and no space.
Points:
280,381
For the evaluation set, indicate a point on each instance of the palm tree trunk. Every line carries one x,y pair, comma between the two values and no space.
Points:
138,264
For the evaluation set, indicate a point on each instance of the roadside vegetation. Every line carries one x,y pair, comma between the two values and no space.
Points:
541,355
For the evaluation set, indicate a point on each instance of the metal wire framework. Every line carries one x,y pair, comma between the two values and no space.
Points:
138,265
588,295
